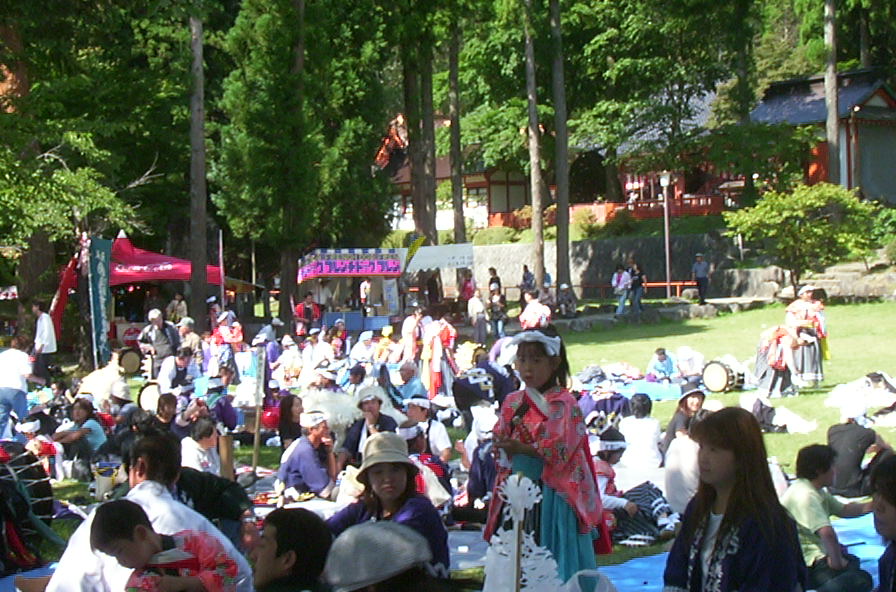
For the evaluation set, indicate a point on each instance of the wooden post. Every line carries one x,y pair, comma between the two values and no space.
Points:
225,451
259,404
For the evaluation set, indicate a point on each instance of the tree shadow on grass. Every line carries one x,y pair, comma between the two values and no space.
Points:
627,333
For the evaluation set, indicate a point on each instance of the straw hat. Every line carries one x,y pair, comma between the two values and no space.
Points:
384,447
372,552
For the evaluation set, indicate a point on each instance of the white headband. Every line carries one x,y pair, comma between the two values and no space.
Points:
551,344
311,419
418,401
613,445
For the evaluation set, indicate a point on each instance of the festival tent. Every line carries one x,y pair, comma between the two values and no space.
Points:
131,264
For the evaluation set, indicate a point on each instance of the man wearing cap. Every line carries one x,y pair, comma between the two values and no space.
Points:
437,442
270,330
700,274
311,466
186,327
566,302
362,352
851,441
315,355
370,401
159,338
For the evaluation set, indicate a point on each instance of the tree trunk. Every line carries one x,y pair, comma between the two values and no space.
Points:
456,156
289,256
289,269
864,39
832,124
428,140
561,164
198,193
411,89
611,175
743,92
537,187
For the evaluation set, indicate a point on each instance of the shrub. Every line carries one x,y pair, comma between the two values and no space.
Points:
585,223
495,235
623,222
890,251
396,239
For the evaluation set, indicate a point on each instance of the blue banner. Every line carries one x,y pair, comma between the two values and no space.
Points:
100,297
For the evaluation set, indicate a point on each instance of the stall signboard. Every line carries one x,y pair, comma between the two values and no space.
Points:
100,297
336,263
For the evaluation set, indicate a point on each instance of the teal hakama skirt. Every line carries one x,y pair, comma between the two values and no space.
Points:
557,526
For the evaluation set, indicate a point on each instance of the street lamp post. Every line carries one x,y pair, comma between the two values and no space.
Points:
665,183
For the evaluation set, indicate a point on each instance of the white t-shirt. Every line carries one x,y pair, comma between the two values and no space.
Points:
82,570
45,334
15,366
439,439
682,472
194,456
642,437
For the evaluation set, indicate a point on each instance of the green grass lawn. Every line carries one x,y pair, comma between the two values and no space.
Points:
858,334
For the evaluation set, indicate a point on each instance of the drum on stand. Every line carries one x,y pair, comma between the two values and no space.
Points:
719,377
148,399
129,360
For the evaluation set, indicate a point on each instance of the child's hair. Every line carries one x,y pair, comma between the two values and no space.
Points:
660,351
305,533
561,374
814,460
87,406
753,494
114,521
619,267
883,480
641,405
165,400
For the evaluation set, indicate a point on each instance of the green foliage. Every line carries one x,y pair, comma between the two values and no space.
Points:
776,153
890,251
809,228
495,235
622,223
397,239
884,227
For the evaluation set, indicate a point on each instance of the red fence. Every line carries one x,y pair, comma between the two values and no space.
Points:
695,205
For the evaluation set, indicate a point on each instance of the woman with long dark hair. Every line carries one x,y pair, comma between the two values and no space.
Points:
390,493
288,428
735,534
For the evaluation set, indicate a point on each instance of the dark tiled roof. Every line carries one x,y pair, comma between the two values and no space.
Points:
801,102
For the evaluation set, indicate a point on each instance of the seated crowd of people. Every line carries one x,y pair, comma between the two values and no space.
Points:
363,421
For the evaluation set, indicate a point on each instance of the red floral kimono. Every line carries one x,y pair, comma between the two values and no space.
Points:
562,444
188,553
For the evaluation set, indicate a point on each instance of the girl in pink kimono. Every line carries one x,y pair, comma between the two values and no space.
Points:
541,433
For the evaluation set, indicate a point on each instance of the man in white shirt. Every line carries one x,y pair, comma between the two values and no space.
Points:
438,442
362,352
15,372
178,370
154,467
44,339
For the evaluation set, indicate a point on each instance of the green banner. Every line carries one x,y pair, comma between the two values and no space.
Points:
100,297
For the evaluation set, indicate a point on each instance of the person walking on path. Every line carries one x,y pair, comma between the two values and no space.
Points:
636,289
700,274
621,283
